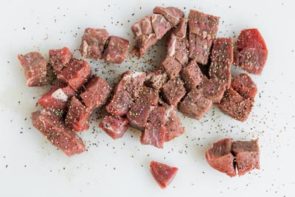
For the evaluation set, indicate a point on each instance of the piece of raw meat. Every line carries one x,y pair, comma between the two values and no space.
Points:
160,25
199,48
178,48
143,43
142,27
59,58
156,79
181,29
114,126
213,89
173,91
244,85
138,114
171,66
116,50
148,95
172,14
191,75
172,124
162,173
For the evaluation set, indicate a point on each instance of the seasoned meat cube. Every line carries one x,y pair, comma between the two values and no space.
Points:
199,48
178,48
251,51
162,173
180,30
221,60
142,27
75,74
247,155
171,66
143,43
244,85
172,14
77,116
213,89
96,92
54,130
220,157
160,25
191,75
173,91
138,114
148,95
93,43
195,105
114,126
35,69
234,105
59,58
120,103
116,50
172,124
156,79
154,132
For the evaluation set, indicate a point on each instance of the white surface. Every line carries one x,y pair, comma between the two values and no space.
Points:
30,166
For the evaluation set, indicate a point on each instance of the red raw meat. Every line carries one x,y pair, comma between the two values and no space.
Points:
59,58
148,95
138,115
244,85
171,66
160,25
180,30
163,173
172,124
191,75
143,43
173,91
199,48
114,126
156,79
116,50
172,14
178,48
142,27
213,89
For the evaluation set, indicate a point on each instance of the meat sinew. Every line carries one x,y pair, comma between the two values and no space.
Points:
114,126
116,50
162,173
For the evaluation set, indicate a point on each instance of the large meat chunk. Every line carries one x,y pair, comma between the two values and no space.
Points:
172,124
195,105
251,51
93,43
171,66
142,27
156,79
173,91
59,58
54,130
35,68
178,48
114,126
75,74
96,92
172,14
162,173
191,75
160,25
244,85
220,157
213,89
116,50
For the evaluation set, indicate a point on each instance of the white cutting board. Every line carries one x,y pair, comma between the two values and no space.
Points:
30,166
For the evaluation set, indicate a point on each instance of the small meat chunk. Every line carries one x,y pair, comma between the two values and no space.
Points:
173,91
156,79
162,173
199,48
35,69
171,66
213,89
172,124
93,43
191,75
148,95
160,25
142,27
178,48
55,131
138,115
114,126
143,43
77,117
181,29
75,74
96,92
172,14
120,103
116,50
195,105
59,58
244,85
251,51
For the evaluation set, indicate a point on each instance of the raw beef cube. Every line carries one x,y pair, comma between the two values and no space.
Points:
75,74
154,132
133,82
171,66
156,79
220,157
221,60
172,124
148,95
59,58
173,91
199,48
120,103
56,98
191,75
178,48
203,25
116,50
54,130
162,173
160,25
142,27
251,51
114,126
77,116
35,69
247,155
213,89
234,105
96,92
93,43
143,43
244,85
172,14
195,105
180,30
138,114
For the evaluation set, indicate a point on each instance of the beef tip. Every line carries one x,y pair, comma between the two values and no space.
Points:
178,48
171,66
172,14
213,89
143,43
162,173
77,116
35,69
138,114
173,91
160,25
199,48
251,51
96,92
148,95
180,30
120,103
191,75
59,58
247,155
244,85
172,124
154,132
116,50
234,105
220,157
156,79
142,27
93,43
195,105
221,60
75,74
54,130
114,126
